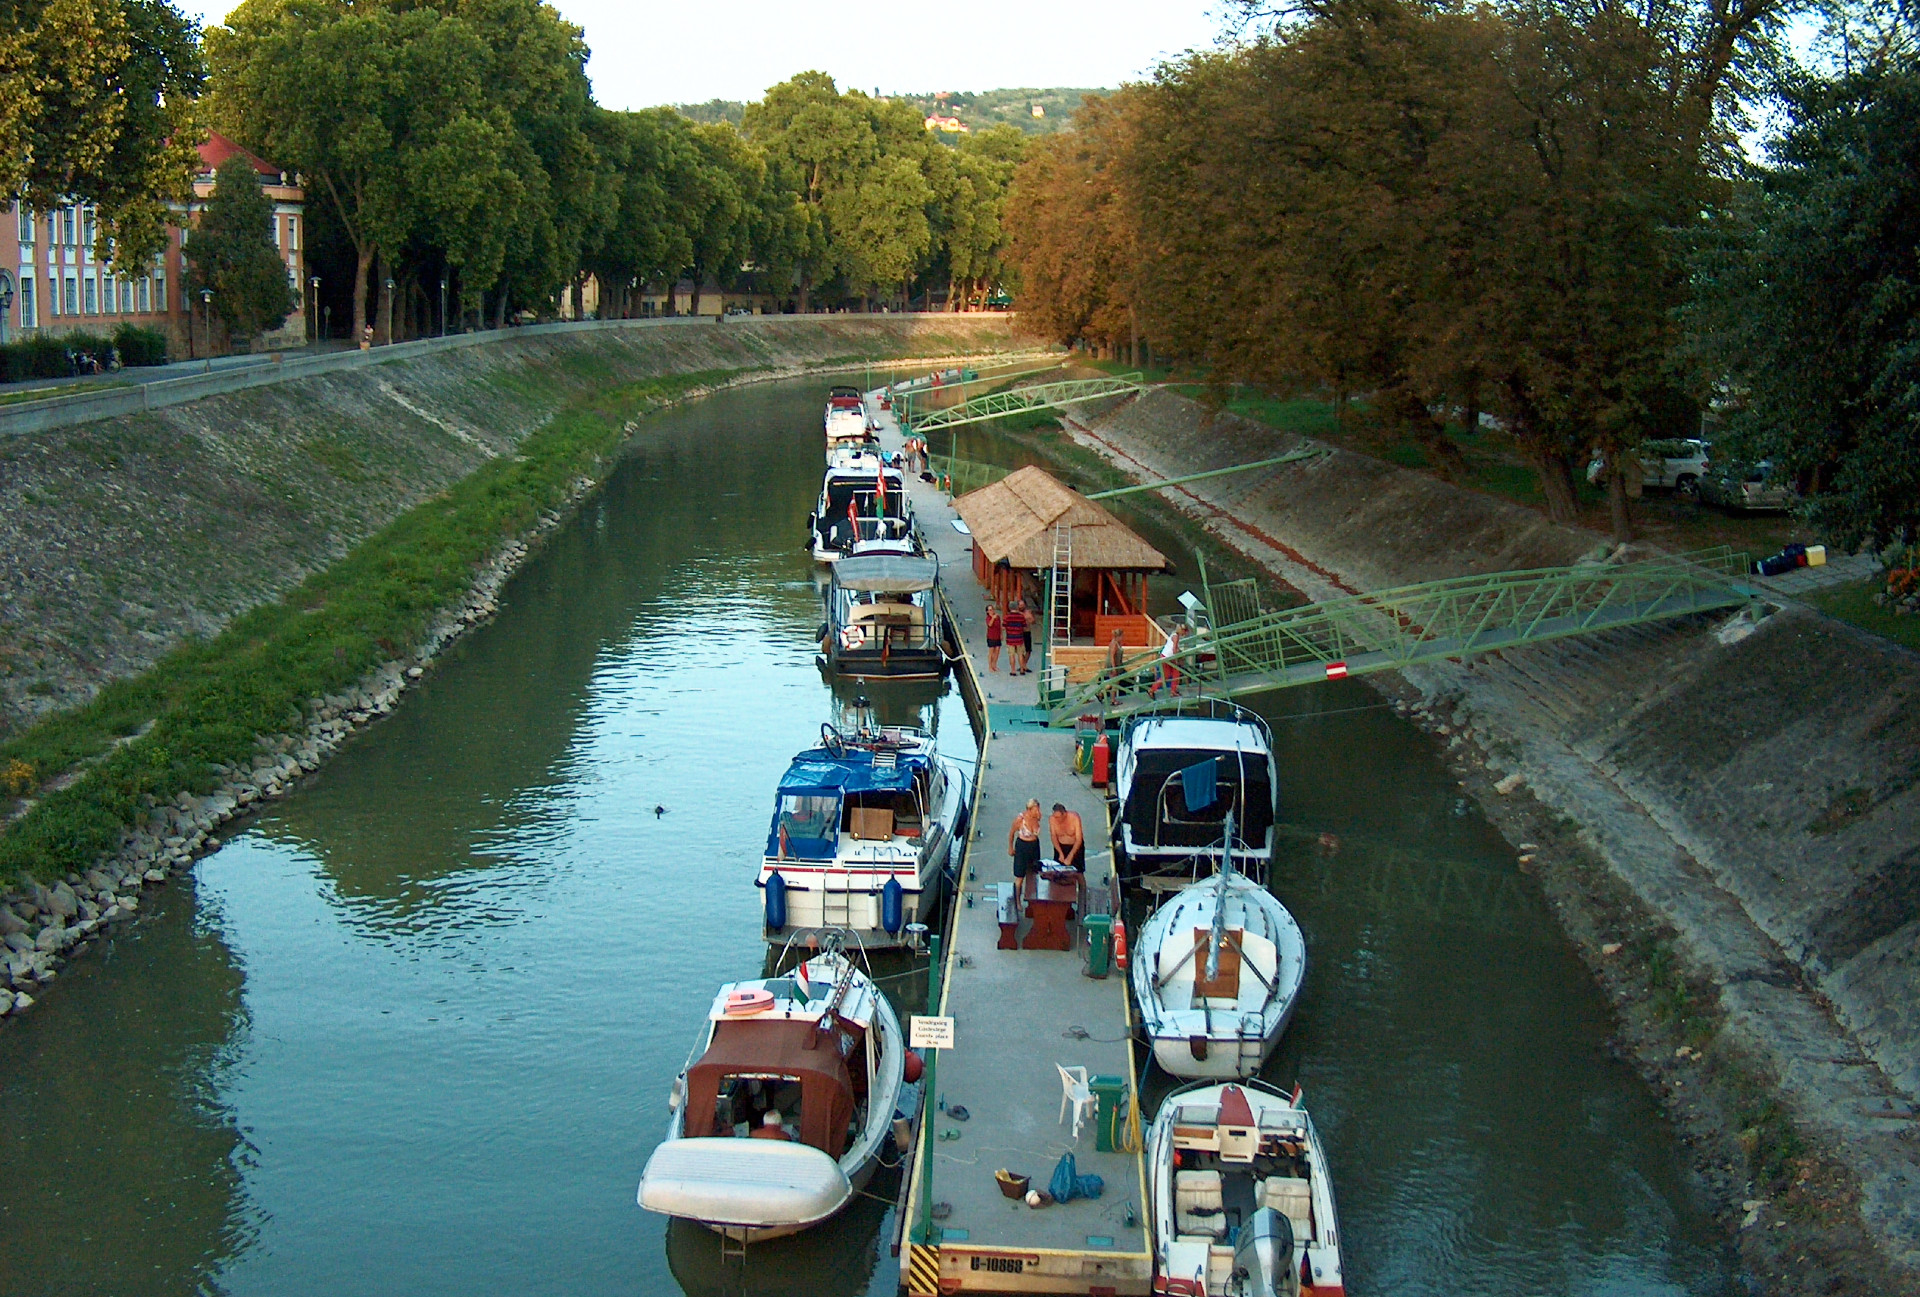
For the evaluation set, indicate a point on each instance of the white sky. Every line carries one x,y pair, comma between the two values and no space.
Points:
695,50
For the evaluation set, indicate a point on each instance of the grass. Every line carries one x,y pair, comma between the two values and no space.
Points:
145,739
1854,603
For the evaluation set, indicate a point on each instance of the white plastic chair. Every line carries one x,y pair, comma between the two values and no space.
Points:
1075,1090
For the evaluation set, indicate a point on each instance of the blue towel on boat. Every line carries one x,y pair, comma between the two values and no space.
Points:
1199,786
1067,1184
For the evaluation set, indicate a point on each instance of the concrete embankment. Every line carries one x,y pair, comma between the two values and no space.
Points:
119,539
1746,793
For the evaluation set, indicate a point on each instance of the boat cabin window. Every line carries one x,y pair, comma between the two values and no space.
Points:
745,1100
809,815
1157,800
882,815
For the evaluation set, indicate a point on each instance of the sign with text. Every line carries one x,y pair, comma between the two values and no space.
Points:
930,1033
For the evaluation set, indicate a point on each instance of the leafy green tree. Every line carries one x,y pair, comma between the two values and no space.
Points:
97,104
1807,297
231,252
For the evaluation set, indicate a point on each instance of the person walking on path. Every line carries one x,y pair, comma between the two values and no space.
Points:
994,630
1018,645
1069,838
1023,844
1169,667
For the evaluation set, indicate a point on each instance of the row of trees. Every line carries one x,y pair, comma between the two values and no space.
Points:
1452,210
458,140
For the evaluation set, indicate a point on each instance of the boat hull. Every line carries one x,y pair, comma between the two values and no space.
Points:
1227,1058
747,1188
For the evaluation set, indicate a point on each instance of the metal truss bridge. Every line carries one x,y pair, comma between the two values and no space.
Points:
1015,400
1390,629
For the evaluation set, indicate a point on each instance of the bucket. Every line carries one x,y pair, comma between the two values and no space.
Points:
1011,1185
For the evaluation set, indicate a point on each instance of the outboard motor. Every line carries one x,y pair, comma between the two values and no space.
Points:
1263,1258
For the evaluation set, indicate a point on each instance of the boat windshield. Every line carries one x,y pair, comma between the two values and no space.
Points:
807,824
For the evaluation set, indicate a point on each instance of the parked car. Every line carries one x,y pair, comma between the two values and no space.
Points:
1675,464
1745,487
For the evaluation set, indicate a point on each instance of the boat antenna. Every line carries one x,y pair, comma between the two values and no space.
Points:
1217,939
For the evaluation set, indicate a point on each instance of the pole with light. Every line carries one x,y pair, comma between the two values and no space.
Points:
389,310
443,306
206,316
313,304
6,303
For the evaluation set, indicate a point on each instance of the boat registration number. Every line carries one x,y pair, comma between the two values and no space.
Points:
999,1264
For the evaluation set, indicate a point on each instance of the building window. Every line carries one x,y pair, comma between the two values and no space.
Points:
70,300
26,302
146,291
86,223
274,221
26,225
53,237
160,292
109,300
66,226
293,233
93,305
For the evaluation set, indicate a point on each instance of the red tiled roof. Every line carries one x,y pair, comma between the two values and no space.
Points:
219,148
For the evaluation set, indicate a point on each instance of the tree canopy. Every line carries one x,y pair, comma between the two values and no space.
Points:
233,255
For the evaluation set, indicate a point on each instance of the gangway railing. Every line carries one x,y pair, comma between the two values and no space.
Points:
1390,629
960,476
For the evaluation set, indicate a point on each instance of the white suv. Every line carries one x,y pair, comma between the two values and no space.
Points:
1670,464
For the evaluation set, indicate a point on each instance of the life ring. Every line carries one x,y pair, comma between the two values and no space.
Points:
756,999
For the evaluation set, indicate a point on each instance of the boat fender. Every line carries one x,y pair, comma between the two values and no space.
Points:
915,1068
1119,943
776,901
893,907
821,634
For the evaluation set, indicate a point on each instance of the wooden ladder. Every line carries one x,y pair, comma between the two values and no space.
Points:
1060,603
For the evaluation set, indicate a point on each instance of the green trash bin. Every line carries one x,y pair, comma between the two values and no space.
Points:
1110,1122
1083,756
1099,943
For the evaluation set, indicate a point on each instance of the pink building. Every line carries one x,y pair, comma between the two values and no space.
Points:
47,259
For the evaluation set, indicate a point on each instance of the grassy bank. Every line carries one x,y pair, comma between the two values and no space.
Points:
143,740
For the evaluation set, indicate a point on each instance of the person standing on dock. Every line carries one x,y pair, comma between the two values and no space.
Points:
1018,645
993,636
1069,837
1023,844
1116,665
1169,666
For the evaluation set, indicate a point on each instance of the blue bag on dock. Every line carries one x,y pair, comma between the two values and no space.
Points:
1067,1184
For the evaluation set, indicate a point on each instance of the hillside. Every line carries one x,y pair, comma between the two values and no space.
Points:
977,108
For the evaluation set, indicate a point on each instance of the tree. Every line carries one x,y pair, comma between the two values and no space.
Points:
1807,296
96,105
232,253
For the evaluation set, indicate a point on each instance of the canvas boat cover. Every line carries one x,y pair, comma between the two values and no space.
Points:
887,573
747,1182
789,1047
820,773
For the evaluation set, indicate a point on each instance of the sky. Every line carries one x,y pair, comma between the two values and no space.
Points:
694,50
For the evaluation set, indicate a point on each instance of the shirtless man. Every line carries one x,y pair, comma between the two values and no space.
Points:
1069,838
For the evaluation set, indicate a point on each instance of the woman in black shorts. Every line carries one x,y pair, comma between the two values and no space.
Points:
1023,844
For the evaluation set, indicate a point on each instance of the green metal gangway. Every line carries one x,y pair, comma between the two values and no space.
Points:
1016,400
1397,628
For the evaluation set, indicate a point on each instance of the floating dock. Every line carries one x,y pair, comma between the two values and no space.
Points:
1020,1015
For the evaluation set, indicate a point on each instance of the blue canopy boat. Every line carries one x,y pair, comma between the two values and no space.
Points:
867,830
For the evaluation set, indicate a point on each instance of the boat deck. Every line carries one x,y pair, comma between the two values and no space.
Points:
1017,1014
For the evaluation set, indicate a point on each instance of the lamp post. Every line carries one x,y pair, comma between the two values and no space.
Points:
389,310
206,317
443,306
6,303
313,307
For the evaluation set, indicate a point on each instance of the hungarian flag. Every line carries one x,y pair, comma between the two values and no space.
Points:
881,502
853,518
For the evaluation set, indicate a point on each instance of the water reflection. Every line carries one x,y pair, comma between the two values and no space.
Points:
120,1161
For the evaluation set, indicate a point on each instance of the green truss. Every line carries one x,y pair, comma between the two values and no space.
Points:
1423,623
1014,400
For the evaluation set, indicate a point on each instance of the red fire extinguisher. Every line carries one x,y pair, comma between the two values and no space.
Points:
1102,761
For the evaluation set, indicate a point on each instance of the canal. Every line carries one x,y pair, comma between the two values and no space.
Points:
411,1030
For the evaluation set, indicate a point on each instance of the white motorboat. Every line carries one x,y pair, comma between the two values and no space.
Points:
883,618
1179,774
1240,1195
868,828
846,421
783,1116
863,508
1216,976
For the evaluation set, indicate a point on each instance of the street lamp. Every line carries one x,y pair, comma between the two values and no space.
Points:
389,310
443,306
6,303
313,306
206,316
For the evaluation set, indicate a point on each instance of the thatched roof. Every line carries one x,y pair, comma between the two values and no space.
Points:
1012,521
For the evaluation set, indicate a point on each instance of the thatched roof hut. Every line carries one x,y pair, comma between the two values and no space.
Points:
1013,523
